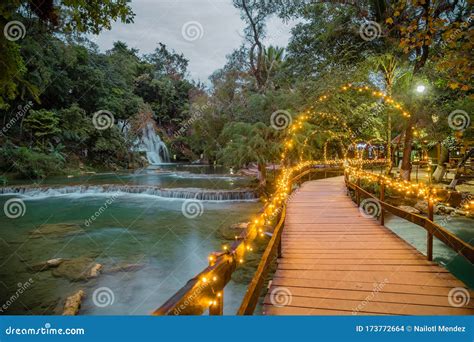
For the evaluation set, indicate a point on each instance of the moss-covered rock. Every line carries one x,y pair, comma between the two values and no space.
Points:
230,232
77,269
57,230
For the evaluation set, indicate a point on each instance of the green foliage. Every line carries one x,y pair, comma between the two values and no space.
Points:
42,124
246,143
30,163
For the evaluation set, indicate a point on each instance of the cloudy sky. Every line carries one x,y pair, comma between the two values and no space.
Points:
205,31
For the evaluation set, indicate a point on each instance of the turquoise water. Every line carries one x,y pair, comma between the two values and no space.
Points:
170,176
133,229
415,235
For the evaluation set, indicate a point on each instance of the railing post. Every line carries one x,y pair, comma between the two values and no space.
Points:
429,236
217,308
357,191
279,249
382,199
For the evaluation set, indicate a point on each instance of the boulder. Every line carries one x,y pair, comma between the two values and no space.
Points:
73,303
422,206
56,230
46,265
124,268
229,232
95,271
77,269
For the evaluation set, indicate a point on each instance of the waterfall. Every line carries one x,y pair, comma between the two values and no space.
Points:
107,189
155,148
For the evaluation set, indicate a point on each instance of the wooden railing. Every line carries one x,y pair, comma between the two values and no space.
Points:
432,229
205,291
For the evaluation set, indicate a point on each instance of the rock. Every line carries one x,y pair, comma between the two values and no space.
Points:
73,303
409,209
241,225
57,230
95,271
46,265
460,212
77,269
229,233
124,268
422,206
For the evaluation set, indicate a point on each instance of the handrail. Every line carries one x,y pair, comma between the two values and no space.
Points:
205,290
249,303
251,296
448,238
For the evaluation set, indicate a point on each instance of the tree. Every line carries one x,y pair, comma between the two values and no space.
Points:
43,125
79,16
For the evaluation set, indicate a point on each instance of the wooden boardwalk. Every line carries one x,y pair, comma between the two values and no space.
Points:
335,261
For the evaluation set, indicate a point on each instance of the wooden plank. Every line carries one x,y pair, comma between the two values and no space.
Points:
367,306
375,296
364,286
287,310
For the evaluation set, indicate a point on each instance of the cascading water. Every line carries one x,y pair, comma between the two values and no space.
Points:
155,148
107,189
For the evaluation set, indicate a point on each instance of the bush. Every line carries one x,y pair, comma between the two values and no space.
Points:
30,163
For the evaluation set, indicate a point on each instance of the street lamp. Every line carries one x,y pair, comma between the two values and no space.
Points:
421,89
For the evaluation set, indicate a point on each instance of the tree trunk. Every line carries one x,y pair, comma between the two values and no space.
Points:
438,174
461,163
405,170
